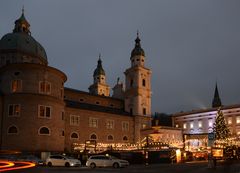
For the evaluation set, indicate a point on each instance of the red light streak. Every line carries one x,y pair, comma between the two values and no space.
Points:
24,165
6,164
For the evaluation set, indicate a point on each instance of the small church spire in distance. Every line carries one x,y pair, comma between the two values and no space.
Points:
23,9
216,99
99,56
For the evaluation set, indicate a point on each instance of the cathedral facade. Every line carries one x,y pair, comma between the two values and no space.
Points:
39,114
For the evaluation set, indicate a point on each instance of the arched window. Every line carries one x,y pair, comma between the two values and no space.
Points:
93,137
110,137
125,138
74,135
44,131
12,130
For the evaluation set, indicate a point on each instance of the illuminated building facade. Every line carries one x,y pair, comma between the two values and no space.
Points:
198,124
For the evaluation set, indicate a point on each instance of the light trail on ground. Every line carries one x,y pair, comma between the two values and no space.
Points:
6,164
9,166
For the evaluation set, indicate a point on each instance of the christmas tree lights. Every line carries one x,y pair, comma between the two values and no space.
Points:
220,129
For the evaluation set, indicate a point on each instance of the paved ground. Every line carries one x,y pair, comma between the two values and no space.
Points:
197,167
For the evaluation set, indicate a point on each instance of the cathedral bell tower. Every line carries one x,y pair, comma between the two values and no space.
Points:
138,89
99,86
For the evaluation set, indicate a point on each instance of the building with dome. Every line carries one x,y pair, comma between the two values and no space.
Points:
39,114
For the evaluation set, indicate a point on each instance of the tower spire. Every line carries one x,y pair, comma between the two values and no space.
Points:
23,10
22,25
216,99
137,49
99,85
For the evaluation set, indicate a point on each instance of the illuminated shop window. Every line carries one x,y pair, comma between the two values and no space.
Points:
238,119
229,120
200,124
210,123
191,125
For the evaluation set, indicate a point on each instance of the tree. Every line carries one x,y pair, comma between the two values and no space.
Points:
220,127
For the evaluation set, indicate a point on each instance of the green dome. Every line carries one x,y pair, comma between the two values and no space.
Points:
99,70
23,43
137,49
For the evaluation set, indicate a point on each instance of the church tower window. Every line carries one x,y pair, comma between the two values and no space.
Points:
143,82
131,82
144,111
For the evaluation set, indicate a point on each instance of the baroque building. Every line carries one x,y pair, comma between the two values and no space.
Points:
39,114
198,124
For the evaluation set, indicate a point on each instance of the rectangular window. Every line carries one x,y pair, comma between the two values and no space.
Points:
238,119
14,110
93,122
110,124
131,82
48,111
125,126
144,125
200,123
143,83
144,111
44,111
191,125
74,120
16,85
210,123
44,87
229,120
184,125
41,111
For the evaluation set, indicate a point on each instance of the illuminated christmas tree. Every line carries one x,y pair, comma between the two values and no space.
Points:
220,128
